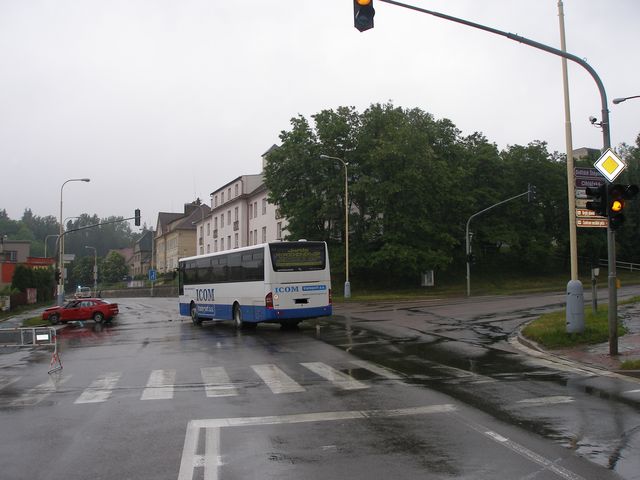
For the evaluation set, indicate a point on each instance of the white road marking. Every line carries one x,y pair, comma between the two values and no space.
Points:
532,456
633,391
38,393
543,401
217,383
160,385
277,380
378,370
6,381
191,460
339,379
100,389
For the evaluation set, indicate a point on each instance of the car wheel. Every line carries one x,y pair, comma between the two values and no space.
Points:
54,319
237,317
194,315
98,317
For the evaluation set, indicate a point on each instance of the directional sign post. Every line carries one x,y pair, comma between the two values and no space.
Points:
585,218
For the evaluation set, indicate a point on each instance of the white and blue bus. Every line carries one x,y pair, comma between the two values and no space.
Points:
283,282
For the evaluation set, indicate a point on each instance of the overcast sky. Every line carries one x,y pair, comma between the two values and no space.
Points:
163,101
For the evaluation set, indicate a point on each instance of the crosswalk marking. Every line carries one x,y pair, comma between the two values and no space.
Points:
341,380
100,389
160,385
38,393
377,369
6,381
217,383
277,380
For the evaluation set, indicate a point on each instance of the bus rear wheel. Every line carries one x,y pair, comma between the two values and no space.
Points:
194,315
237,317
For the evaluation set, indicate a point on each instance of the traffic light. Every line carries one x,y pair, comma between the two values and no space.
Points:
532,193
363,13
617,194
599,202
137,217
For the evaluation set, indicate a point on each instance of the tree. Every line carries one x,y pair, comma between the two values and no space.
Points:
114,268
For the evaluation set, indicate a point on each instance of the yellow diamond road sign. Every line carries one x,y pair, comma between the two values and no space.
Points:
610,165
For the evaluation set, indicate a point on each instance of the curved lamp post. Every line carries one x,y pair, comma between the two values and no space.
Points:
95,269
624,99
347,285
61,242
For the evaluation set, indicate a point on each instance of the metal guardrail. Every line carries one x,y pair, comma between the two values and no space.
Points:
621,265
33,337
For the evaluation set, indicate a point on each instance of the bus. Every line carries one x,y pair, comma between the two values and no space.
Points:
281,282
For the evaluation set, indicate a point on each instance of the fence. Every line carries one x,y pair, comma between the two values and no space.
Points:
33,337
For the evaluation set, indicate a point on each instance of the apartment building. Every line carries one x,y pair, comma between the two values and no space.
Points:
241,215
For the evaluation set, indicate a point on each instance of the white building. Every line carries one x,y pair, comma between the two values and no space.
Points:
241,215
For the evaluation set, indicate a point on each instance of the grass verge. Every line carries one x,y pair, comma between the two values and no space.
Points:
550,330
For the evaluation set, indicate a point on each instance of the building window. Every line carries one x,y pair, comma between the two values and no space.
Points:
215,201
255,209
215,245
236,214
208,229
229,193
221,198
264,206
250,211
264,234
235,240
215,223
250,237
208,248
228,242
236,189
222,220
228,217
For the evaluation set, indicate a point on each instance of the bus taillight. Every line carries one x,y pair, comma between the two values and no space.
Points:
330,299
268,300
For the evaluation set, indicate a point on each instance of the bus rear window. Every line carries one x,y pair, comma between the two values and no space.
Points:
296,257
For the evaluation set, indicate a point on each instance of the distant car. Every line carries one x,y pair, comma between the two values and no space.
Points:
82,309
83,292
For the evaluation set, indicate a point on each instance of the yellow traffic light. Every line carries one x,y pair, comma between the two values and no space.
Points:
364,3
617,206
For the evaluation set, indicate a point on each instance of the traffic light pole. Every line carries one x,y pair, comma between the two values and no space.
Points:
466,236
606,141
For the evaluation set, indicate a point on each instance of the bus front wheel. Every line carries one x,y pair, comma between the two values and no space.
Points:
194,315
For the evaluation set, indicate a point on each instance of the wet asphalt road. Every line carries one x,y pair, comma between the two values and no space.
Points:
413,390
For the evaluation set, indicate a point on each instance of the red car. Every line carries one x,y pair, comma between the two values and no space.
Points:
82,309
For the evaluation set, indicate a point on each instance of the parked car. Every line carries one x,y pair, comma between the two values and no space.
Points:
83,292
82,309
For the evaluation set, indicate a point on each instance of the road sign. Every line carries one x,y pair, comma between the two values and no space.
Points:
610,165
597,222
585,213
153,275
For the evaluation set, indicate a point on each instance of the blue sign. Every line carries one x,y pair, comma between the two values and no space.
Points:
153,275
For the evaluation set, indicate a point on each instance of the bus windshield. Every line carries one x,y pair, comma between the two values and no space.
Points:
297,256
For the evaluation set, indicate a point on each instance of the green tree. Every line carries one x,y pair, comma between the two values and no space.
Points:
114,268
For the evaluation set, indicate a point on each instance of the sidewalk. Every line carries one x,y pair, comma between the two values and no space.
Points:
598,355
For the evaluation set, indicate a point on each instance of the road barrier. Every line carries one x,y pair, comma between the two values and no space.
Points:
33,337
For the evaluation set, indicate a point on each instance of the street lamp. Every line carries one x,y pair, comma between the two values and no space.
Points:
61,242
347,285
623,99
95,269
46,240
